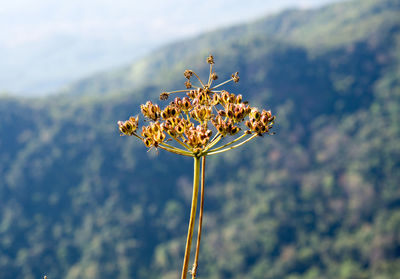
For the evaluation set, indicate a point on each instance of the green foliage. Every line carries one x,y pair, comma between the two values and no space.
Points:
318,200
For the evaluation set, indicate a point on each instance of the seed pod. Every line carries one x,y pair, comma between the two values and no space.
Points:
164,96
216,99
188,85
188,74
234,130
249,125
148,142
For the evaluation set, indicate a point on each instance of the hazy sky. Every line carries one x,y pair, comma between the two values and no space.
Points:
24,21
85,36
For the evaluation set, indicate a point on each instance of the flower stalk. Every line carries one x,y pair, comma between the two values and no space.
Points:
196,256
189,237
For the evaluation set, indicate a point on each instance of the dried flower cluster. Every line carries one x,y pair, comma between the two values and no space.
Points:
192,120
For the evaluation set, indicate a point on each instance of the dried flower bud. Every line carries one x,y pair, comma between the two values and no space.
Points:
210,59
235,77
255,114
178,102
225,97
232,98
222,113
164,96
214,76
151,111
128,127
186,105
216,99
191,94
188,74
148,142
188,85
234,130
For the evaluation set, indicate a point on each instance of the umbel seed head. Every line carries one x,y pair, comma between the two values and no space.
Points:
194,124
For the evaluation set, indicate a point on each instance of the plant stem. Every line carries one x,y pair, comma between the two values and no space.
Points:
196,257
212,152
176,151
196,175
229,143
225,82
202,84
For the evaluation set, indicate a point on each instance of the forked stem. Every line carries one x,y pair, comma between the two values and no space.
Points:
196,177
196,257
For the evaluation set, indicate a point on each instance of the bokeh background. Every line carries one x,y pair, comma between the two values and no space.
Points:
320,199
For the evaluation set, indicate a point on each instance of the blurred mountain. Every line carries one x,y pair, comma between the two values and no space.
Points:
320,199
46,45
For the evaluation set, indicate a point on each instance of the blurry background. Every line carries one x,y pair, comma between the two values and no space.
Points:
44,45
320,199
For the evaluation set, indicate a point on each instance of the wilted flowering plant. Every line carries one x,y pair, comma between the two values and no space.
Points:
193,126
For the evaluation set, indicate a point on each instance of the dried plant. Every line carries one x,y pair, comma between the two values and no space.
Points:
193,126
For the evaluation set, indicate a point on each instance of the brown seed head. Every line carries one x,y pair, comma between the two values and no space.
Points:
175,120
210,59
164,96
188,74
188,84
235,77
128,127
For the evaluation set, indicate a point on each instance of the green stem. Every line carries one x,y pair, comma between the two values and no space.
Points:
213,142
229,143
176,151
212,152
222,83
196,257
196,175
179,141
178,91
202,84
209,77
176,148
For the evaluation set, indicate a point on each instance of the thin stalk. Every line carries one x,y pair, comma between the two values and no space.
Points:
136,135
196,175
212,152
214,141
196,257
229,143
175,148
177,91
209,77
179,141
175,151
202,84
222,83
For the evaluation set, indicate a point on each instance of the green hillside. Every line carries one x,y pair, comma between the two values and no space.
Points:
320,199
